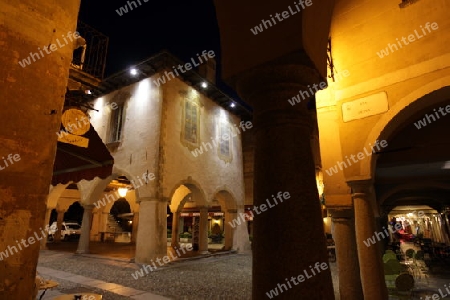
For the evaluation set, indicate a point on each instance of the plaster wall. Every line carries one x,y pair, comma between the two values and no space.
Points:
359,32
209,170
138,150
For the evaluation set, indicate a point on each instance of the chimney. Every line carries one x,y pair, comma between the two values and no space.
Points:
208,70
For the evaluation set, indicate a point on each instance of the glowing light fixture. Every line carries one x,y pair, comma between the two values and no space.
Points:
122,192
133,72
232,105
204,84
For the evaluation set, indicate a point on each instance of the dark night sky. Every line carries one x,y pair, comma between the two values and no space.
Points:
182,27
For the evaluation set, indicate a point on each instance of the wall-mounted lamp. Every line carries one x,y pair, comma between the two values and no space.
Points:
122,192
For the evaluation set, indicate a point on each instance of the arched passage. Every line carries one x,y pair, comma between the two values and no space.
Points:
228,207
412,173
189,209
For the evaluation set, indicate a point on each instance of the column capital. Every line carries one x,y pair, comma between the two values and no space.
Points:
149,199
341,213
88,206
269,88
360,186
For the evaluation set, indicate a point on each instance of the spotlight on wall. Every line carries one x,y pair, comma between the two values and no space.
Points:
122,192
204,84
133,72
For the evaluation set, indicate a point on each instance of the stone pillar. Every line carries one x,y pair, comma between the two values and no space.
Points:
151,240
284,163
241,240
46,221
230,215
26,172
346,253
175,229
135,226
59,221
203,238
83,243
370,260
181,225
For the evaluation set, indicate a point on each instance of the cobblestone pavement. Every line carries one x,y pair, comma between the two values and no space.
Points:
218,277
222,277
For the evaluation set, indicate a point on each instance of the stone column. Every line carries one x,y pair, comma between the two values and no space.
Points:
59,220
284,163
27,169
135,226
241,240
175,229
203,238
83,243
151,240
46,221
370,260
346,253
181,225
230,215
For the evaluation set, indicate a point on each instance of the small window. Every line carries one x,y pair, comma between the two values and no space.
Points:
116,123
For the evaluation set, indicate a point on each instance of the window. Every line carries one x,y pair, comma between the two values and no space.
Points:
190,119
116,123
190,122
225,141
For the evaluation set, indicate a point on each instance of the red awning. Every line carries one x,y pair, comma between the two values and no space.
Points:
73,163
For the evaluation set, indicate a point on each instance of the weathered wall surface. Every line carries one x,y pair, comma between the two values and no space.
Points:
151,112
209,169
32,98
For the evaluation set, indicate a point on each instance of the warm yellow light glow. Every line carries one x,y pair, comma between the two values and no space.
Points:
215,221
319,182
122,192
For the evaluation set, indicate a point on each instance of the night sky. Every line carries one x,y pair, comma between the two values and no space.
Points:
183,27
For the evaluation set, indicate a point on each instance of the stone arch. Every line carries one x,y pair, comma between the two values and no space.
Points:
180,191
226,198
54,195
416,186
229,206
418,100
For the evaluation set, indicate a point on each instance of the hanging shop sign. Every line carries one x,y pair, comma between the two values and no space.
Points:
75,123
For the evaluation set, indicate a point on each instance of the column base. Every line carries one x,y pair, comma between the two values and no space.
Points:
82,252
